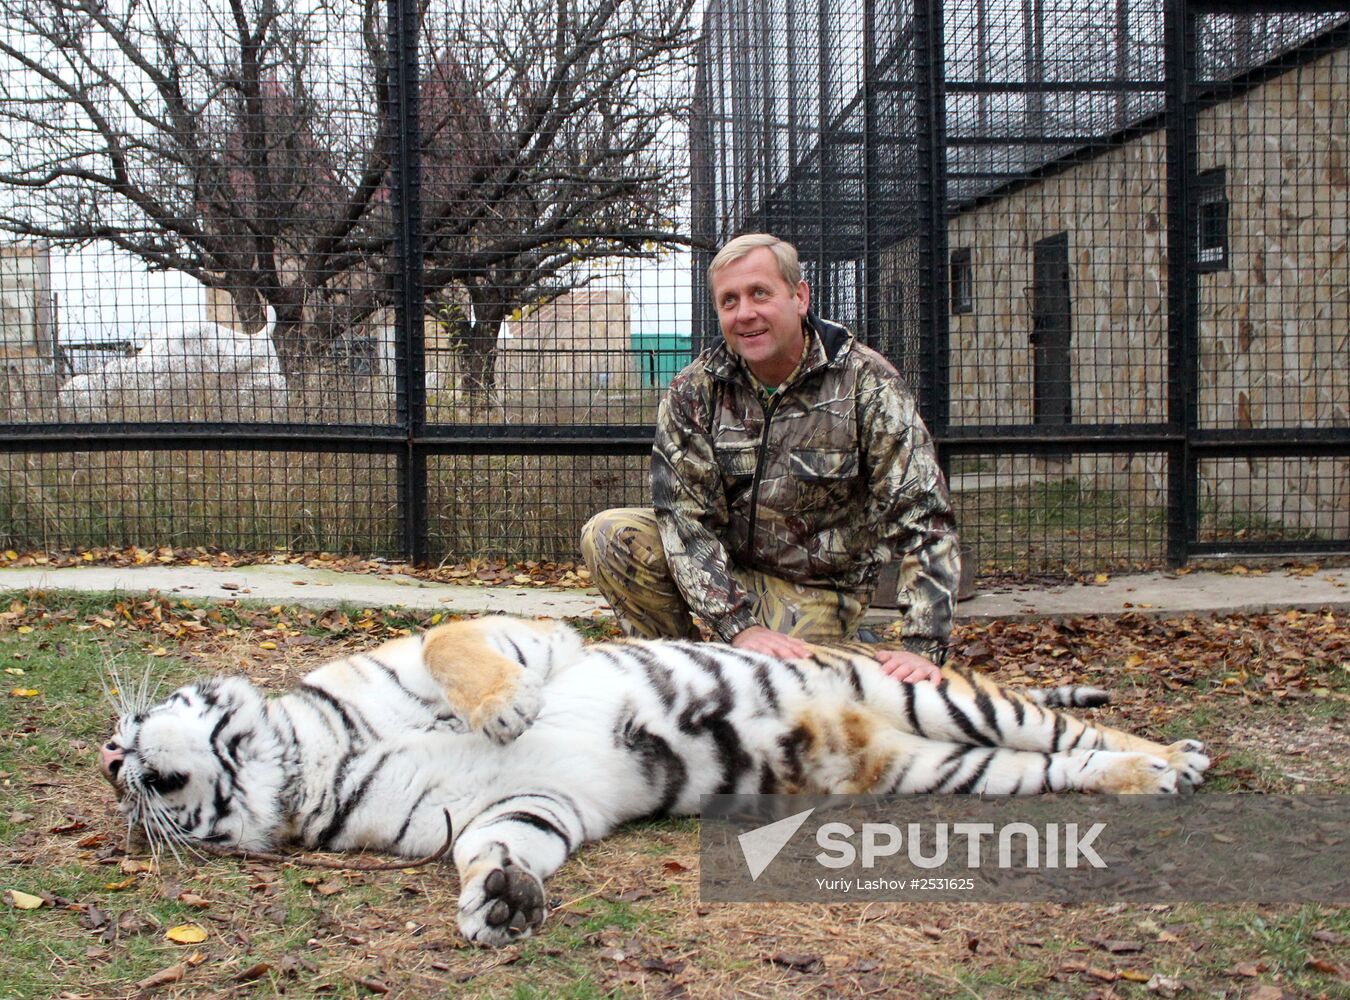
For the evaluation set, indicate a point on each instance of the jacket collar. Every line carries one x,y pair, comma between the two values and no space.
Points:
826,341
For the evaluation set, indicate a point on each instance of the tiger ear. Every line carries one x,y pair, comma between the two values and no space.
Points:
476,679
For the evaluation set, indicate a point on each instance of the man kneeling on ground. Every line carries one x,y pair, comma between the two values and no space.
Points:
790,465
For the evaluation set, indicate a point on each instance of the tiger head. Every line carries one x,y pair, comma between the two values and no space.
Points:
202,766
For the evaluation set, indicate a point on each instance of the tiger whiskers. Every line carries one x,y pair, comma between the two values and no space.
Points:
124,700
148,814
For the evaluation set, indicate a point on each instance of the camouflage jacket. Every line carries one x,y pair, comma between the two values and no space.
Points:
821,482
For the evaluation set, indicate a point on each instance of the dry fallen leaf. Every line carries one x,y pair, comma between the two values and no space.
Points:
186,934
1267,993
22,900
164,977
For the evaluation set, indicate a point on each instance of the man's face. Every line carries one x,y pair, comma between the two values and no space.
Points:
761,314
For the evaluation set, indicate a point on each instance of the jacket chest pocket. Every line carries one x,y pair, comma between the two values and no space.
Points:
737,460
823,477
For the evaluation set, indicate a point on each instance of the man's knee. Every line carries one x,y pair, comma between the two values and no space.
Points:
623,534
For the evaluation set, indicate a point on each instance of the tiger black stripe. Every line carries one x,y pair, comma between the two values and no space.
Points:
412,811
657,673
768,781
793,743
392,675
1077,739
955,713
220,802
898,782
854,679
348,804
766,687
986,706
515,648
352,726
1058,732
1047,762
568,803
910,693
968,786
731,753
841,666
532,819
661,766
949,768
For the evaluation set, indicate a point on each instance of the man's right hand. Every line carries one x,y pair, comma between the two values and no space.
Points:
759,639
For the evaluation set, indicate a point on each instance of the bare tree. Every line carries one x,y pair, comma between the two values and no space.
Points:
251,149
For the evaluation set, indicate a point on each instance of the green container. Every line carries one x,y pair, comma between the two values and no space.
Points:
660,356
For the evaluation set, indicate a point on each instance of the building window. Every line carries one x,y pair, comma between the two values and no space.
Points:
963,281
1211,221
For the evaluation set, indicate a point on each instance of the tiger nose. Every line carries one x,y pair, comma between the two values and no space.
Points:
110,758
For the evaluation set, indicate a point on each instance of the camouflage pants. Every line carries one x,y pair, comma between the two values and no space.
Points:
622,548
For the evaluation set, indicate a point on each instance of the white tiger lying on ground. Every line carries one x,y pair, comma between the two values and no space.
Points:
536,744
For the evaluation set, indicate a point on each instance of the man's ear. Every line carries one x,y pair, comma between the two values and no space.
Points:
803,298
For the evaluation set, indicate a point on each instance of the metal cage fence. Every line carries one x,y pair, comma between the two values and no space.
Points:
409,278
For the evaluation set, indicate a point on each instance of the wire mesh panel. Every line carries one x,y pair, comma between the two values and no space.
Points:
527,506
1270,210
243,501
1060,511
806,112
249,251
1056,188
554,186
205,192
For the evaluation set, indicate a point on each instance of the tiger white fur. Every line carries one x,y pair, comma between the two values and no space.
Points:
535,744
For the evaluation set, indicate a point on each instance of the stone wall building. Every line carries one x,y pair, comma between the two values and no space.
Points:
1273,211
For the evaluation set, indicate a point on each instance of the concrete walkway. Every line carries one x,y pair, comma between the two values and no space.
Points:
1153,594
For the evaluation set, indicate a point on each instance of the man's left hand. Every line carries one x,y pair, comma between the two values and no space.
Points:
908,668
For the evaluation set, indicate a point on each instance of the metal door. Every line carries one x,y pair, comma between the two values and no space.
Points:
1050,331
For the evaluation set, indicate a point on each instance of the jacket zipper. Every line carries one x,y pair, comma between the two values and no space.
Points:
759,467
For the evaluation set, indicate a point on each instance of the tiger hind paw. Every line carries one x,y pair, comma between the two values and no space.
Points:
1130,774
1189,761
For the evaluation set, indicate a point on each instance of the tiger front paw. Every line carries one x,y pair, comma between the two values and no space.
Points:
505,905
503,718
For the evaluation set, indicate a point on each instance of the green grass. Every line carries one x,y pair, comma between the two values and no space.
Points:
1218,525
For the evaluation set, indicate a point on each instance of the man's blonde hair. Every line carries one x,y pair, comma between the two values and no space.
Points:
783,252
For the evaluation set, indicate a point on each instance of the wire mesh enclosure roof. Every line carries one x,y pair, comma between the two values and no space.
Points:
465,242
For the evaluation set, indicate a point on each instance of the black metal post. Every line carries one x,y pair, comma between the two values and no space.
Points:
934,396
406,202
872,211
1183,340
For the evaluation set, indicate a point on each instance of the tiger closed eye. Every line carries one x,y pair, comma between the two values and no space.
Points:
163,783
